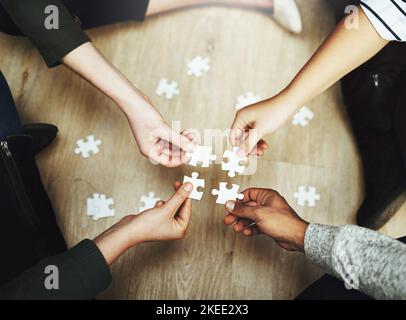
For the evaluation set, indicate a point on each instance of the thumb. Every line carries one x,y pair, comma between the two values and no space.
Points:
241,210
180,196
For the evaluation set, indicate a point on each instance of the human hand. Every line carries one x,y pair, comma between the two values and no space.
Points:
157,140
252,123
167,221
273,217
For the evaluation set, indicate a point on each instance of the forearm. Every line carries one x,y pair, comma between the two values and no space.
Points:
375,264
343,51
116,240
91,65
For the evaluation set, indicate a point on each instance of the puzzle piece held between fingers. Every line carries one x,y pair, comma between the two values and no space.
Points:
169,89
148,201
224,194
99,207
303,117
197,183
307,195
233,165
198,66
202,155
88,146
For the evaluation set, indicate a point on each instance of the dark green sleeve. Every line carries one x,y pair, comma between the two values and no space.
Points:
29,16
82,272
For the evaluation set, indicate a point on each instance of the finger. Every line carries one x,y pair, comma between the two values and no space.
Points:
160,203
177,185
169,149
230,219
189,135
249,232
184,158
260,150
251,196
236,136
185,212
166,160
241,210
181,141
180,196
249,145
241,225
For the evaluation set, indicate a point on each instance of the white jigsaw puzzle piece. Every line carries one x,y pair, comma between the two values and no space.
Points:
169,89
233,165
303,117
197,183
100,207
307,195
224,194
148,201
198,66
247,99
88,146
202,155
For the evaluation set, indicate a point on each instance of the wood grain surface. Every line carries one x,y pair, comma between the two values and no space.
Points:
248,52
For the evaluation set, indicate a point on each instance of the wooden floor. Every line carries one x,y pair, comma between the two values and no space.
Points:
248,53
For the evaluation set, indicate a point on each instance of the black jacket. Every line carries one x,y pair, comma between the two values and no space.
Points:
31,240
28,17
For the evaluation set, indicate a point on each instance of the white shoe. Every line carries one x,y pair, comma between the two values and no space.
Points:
287,14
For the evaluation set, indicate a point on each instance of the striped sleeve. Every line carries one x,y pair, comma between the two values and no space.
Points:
388,17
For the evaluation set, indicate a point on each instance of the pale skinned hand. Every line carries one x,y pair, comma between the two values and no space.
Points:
273,217
167,221
156,140
252,123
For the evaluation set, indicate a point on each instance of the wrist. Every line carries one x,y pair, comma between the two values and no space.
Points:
132,234
131,103
291,100
111,245
300,233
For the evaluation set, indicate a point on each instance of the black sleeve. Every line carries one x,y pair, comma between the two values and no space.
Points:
82,274
53,44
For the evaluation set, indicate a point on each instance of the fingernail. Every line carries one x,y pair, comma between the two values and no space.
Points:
230,205
188,187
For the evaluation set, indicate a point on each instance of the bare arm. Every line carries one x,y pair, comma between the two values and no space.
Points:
91,65
343,51
152,133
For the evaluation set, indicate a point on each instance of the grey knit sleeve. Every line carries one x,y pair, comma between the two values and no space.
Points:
364,259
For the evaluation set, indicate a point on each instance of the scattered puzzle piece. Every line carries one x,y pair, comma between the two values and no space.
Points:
307,195
198,66
303,117
148,201
201,156
197,183
224,194
99,207
169,89
247,99
233,165
88,146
